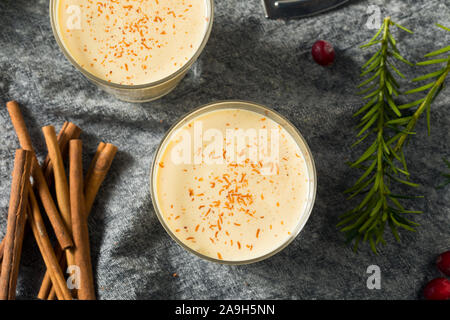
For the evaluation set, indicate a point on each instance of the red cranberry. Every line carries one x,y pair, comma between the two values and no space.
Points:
323,52
437,289
443,263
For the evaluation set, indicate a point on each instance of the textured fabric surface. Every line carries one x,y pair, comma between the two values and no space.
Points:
252,58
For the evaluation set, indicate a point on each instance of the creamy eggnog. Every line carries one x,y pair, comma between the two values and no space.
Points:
232,184
132,42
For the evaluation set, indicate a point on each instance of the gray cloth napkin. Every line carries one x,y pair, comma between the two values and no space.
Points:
247,57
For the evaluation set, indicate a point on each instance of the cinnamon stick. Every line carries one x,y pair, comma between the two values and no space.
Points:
68,132
48,254
61,185
97,172
100,148
16,224
63,264
80,231
2,249
52,294
94,178
46,284
46,289
62,234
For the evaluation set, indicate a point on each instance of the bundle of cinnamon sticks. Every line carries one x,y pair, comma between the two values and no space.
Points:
69,270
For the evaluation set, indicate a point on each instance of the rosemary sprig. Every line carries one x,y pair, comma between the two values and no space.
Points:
380,207
380,119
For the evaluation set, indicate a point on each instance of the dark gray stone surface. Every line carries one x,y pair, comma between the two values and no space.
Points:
247,57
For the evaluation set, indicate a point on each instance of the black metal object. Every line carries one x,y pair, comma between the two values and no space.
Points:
298,8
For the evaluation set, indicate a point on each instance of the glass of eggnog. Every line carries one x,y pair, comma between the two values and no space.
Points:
136,50
233,182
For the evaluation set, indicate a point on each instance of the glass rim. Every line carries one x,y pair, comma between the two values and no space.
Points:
251,106
53,21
